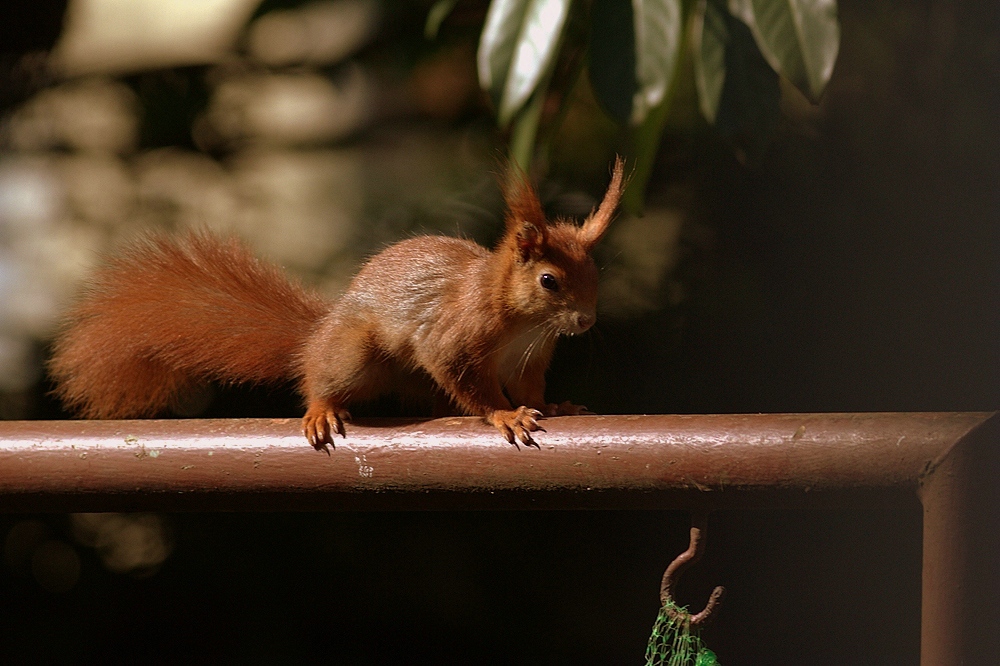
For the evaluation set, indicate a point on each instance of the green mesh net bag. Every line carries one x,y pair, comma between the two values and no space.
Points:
674,642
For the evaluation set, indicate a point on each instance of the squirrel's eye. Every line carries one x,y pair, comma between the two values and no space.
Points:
548,281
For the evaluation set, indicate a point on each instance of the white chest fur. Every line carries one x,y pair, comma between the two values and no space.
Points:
516,354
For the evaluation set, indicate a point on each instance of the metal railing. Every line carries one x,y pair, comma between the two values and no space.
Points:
699,463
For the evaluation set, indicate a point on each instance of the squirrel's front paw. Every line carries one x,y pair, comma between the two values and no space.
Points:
565,408
517,424
321,422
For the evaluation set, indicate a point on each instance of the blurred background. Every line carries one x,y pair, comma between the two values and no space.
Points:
845,262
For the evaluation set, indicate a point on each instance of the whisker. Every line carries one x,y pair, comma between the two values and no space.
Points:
522,362
547,335
513,340
461,374
526,355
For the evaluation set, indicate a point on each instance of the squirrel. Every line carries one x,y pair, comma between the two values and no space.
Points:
473,325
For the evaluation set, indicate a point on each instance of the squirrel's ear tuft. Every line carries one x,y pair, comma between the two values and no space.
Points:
594,226
526,223
522,201
530,240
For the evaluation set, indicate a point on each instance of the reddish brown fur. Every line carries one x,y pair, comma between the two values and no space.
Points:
427,314
168,311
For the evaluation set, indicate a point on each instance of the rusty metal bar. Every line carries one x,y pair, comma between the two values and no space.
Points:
583,462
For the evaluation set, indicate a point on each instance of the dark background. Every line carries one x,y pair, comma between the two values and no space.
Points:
848,270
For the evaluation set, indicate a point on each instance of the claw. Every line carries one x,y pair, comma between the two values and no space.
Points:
342,415
321,422
517,425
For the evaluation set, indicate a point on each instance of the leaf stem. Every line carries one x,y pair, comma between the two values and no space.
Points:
525,129
645,139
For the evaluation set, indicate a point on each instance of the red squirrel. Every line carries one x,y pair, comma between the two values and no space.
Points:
480,325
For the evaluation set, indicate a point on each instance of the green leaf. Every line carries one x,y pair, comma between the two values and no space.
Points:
799,38
436,16
659,35
658,26
710,36
524,132
497,42
611,57
517,48
750,105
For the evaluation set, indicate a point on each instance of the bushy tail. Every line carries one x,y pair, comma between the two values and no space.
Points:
171,310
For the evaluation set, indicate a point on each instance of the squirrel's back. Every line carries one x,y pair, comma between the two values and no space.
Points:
408,284
167,311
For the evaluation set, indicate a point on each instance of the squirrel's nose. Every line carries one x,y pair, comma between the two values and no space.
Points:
585,321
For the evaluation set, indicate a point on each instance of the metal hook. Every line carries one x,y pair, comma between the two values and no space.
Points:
699,523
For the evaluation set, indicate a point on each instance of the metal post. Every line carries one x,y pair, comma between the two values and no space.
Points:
960,609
